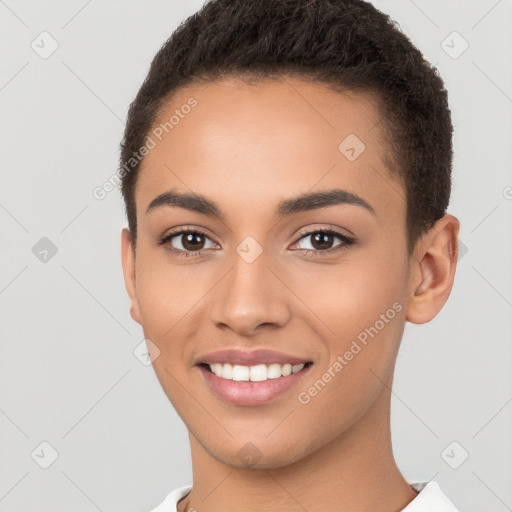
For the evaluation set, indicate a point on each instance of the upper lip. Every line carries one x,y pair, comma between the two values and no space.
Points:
250,357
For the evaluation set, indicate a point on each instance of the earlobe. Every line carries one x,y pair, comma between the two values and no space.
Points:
433,271
128,263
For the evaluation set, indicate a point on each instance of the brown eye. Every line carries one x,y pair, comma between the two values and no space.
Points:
192,241
186,241
323,240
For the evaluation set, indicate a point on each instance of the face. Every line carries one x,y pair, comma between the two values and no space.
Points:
324,280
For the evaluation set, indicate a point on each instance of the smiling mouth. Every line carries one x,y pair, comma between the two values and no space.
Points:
256,373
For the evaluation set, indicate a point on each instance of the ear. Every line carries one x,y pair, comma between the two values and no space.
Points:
128,262
433,270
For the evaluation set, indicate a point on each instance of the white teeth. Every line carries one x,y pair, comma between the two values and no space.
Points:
286,370
217,369
254,373
273,371
258,372
240,372
228,371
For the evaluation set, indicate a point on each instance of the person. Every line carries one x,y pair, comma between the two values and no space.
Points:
286,172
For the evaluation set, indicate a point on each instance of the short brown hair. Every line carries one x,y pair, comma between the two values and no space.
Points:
344,44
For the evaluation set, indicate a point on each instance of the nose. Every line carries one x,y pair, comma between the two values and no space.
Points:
251,295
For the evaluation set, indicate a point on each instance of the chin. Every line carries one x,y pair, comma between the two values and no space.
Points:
255,456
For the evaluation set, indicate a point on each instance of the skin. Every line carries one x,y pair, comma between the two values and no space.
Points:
248,147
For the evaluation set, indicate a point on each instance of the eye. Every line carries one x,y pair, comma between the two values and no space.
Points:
191,242
186,242
322,241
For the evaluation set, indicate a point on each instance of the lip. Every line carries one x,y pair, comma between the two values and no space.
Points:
250,357
248,393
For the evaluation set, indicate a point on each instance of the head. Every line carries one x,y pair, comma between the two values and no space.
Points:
270,121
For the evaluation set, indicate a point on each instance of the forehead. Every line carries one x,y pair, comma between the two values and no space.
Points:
264,141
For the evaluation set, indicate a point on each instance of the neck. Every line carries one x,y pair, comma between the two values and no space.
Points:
354,471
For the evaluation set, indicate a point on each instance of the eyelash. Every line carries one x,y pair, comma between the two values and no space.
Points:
347,242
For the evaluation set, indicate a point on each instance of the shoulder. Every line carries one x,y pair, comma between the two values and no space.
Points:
171,500
430,499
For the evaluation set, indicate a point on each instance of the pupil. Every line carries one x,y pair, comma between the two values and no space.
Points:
189,241
323,239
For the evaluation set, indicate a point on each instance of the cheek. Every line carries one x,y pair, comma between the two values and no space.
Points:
166,299
360,304
351,296
365,322
166,292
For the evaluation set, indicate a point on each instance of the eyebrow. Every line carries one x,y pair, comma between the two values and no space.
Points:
302,203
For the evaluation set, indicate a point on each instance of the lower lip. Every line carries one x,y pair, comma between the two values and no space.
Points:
248,393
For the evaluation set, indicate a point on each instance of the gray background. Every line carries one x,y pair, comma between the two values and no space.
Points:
68,373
